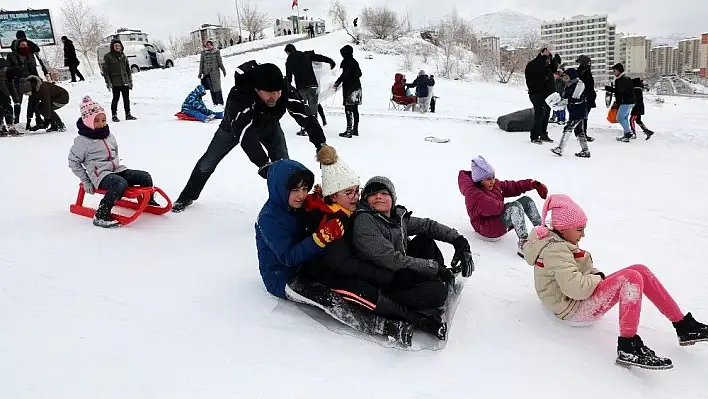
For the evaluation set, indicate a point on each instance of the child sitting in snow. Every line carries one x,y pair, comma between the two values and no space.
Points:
194,106
569,285
94,159
577,112
484,199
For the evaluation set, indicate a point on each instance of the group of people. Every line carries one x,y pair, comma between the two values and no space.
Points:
423,100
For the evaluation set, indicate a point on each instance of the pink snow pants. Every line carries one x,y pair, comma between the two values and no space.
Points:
627,286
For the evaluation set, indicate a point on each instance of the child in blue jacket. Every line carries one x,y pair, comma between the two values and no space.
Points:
574,93
194,106
283,245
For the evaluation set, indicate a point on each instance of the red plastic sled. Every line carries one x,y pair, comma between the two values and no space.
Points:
184,117
141,195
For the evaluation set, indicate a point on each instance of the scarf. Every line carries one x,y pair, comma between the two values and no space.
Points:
94,134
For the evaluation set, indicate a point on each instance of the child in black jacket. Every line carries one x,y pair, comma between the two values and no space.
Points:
638,110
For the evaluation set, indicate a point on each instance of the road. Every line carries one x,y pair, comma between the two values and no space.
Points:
674,86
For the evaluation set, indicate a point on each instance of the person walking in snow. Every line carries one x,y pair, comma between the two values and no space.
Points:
7,92
71,60
381,236
194,106
119,79
299,65
585,75
283,244
623,90
210,63
638,110
45,98
569,285
254,107
575,94
422,86
94,159
484,196
540,84
350,80
338,267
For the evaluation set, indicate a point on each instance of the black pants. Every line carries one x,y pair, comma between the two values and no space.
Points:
352,114
6,110
320,110
18,107
54,118
74,71
413,290
223,142
117,92
115,185
432,104
582,128
217,97
310,95
541,115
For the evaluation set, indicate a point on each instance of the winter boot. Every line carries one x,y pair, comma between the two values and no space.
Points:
546,139
520,248
115,118
3,131
401,331
633,352
430,324
302,132
152,201
103,217
690,331
181,204
537,141
557,151
129,117
12,131
350,122
583,154
648,133
625,139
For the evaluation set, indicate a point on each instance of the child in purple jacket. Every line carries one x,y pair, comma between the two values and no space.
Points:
484,198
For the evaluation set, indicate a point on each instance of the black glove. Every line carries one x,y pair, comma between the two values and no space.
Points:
263,170
462,259
446,275
601,274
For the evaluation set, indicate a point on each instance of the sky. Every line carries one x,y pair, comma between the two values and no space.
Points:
161,18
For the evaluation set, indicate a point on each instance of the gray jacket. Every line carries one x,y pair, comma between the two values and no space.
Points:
209,64
384,241
93,159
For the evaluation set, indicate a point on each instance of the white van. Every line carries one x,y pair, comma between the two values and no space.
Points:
141,55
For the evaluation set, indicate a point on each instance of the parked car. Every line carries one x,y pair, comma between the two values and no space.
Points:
141,55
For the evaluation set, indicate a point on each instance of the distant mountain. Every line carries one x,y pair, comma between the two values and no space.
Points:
510,26
670,40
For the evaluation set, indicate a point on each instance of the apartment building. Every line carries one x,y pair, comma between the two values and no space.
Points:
662,60
633,54
590,35
689,61
703,63
490,44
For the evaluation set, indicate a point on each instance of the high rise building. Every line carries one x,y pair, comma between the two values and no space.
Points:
662,60
688,60
633,54
703,64
589,35
491,45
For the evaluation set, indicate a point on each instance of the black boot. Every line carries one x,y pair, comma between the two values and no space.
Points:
430,324
633,352
355,128
350,121
115,118
103,217
690,331
545,138
129,116
181,204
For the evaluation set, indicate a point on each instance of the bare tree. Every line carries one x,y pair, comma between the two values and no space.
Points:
339,14
84,27
456,38
253,19
384,23
223,20
182,46
510,60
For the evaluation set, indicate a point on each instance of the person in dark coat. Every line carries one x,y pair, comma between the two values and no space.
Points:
254,107
337,266
284,244
638,110
22,63
71,60
119,79
623,90
350,80
541,84
585,74
299,65
45,98
422,86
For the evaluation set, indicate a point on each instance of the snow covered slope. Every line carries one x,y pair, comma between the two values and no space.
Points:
173,306
510,26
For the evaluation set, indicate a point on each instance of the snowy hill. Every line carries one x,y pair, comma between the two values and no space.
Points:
174,307
669,40
510,26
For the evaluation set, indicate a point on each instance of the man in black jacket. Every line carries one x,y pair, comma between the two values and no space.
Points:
71,60
541,84
624,96
299,65
252,116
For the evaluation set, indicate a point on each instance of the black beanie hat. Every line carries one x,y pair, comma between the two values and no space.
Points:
289,48
267,77
20,34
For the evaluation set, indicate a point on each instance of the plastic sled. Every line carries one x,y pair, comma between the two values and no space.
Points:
135,198
184,117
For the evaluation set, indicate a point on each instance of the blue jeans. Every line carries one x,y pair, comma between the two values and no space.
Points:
623,116
560,115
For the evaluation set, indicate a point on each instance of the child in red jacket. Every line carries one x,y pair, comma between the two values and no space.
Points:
484,199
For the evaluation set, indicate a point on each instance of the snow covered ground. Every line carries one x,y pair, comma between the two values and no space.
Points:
173,306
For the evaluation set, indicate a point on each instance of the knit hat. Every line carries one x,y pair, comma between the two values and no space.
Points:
89,111
481,169
267,77
376,184
571,72
560,213
336,174
421,72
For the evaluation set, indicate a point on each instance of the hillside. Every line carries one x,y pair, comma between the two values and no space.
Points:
510,26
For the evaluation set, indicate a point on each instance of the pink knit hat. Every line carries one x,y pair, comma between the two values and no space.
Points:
89,111
560,213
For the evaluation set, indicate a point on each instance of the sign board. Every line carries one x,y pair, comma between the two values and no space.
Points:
37,25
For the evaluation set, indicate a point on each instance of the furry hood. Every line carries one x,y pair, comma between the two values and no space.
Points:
35,81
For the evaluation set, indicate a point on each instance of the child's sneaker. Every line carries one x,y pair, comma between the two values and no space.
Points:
557,151
625,138
520,249
633,352
690,331
633,136
583,154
